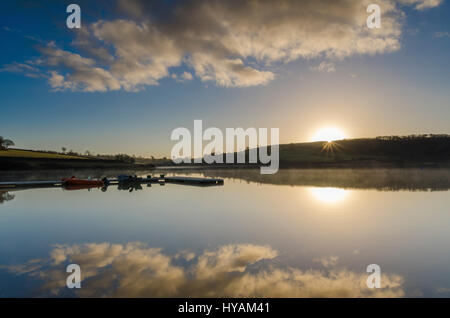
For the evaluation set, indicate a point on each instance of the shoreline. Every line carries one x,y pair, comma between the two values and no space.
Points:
10,164
68,164
316,165
36,164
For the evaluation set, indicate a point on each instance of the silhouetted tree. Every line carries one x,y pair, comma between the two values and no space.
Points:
5,143
124,158
72,153
5,196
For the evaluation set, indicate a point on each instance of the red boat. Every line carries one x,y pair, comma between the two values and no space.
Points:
74,182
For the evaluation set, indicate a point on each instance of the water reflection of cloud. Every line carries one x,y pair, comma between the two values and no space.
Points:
136,270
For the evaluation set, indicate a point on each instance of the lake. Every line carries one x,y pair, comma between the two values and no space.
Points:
299,233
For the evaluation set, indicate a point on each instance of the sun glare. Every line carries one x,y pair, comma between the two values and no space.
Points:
329,134
329,195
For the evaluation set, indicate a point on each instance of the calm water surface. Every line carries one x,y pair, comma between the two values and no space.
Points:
300,233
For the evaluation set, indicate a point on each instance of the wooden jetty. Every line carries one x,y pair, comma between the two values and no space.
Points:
194,181
22,185
30,184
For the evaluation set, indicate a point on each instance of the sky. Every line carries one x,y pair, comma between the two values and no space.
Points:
136,70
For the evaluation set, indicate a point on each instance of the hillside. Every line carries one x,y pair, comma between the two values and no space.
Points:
424,148
21,153
389,151
20,159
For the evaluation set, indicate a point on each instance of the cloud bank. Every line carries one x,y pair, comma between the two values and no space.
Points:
230,43
238,270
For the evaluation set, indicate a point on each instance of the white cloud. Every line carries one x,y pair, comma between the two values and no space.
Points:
186,76
329,261
24,68
82,74
324,67
442,35
230,43
422,4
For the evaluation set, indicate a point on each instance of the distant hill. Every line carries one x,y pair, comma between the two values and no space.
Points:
415,150
408,149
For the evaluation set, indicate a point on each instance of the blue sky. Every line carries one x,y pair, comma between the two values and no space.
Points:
110,87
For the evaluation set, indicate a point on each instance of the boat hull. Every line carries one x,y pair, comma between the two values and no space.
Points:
74,182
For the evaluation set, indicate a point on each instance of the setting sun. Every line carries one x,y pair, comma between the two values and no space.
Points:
329,134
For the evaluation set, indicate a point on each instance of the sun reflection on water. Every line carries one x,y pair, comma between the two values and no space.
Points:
329,195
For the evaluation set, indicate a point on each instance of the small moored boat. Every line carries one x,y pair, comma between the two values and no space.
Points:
73,181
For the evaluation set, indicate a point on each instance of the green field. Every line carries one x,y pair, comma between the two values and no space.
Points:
18,153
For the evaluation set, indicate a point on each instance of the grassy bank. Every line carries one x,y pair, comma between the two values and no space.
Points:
21,153
20,159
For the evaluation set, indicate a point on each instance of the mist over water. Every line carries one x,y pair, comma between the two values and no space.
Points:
299,233
381,179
